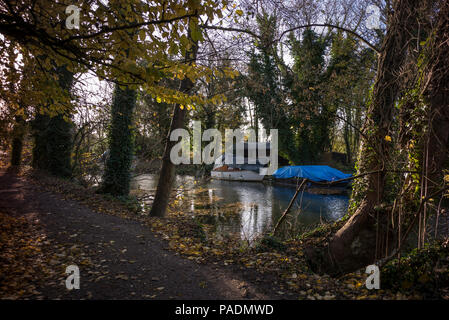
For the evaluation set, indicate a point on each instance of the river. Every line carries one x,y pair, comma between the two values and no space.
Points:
248,208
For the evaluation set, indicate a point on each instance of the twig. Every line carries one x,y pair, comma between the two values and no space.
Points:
281,219
417,214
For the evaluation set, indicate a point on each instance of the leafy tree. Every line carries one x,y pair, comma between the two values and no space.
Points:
154,32
117,175
227,112
187,83
167,175
158,33
53,134
368,234
12,97
350,75
264,87
312,117
152,126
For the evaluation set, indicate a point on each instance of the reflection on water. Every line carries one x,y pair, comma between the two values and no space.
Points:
249,208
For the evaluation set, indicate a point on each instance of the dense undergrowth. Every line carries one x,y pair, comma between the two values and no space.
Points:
425,270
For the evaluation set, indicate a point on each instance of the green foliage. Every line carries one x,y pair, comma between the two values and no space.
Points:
270,242
302,102
131,203
53,134
350,75
264,88
425,270
152,121
312,116
117,175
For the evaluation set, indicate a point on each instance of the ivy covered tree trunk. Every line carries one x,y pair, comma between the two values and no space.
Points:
17,141
436,92
59,146
355,244
117,176
53,134
39,126
433,141
52,145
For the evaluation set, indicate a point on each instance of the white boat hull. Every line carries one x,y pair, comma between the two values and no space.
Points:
242,175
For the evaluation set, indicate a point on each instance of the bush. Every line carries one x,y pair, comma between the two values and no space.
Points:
425,270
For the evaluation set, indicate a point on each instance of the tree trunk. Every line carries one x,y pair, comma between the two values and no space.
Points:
17,141
19,123
167,173
347,135
439,136
355,244
53,135
437,95
117,174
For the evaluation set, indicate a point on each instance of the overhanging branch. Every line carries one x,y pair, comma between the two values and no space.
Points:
309,25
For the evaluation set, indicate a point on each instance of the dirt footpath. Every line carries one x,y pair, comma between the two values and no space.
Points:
117,258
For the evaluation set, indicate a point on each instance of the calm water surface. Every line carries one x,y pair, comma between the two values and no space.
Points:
253,207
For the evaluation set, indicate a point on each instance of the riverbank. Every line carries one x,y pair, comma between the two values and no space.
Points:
142,166
277,269
43,231
278,266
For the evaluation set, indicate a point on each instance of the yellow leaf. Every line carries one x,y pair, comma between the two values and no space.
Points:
388,138
142,35
239,12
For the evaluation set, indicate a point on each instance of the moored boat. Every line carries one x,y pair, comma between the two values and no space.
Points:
237,168
321,179
224,173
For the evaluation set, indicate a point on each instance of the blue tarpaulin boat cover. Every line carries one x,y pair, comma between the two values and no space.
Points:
314,173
